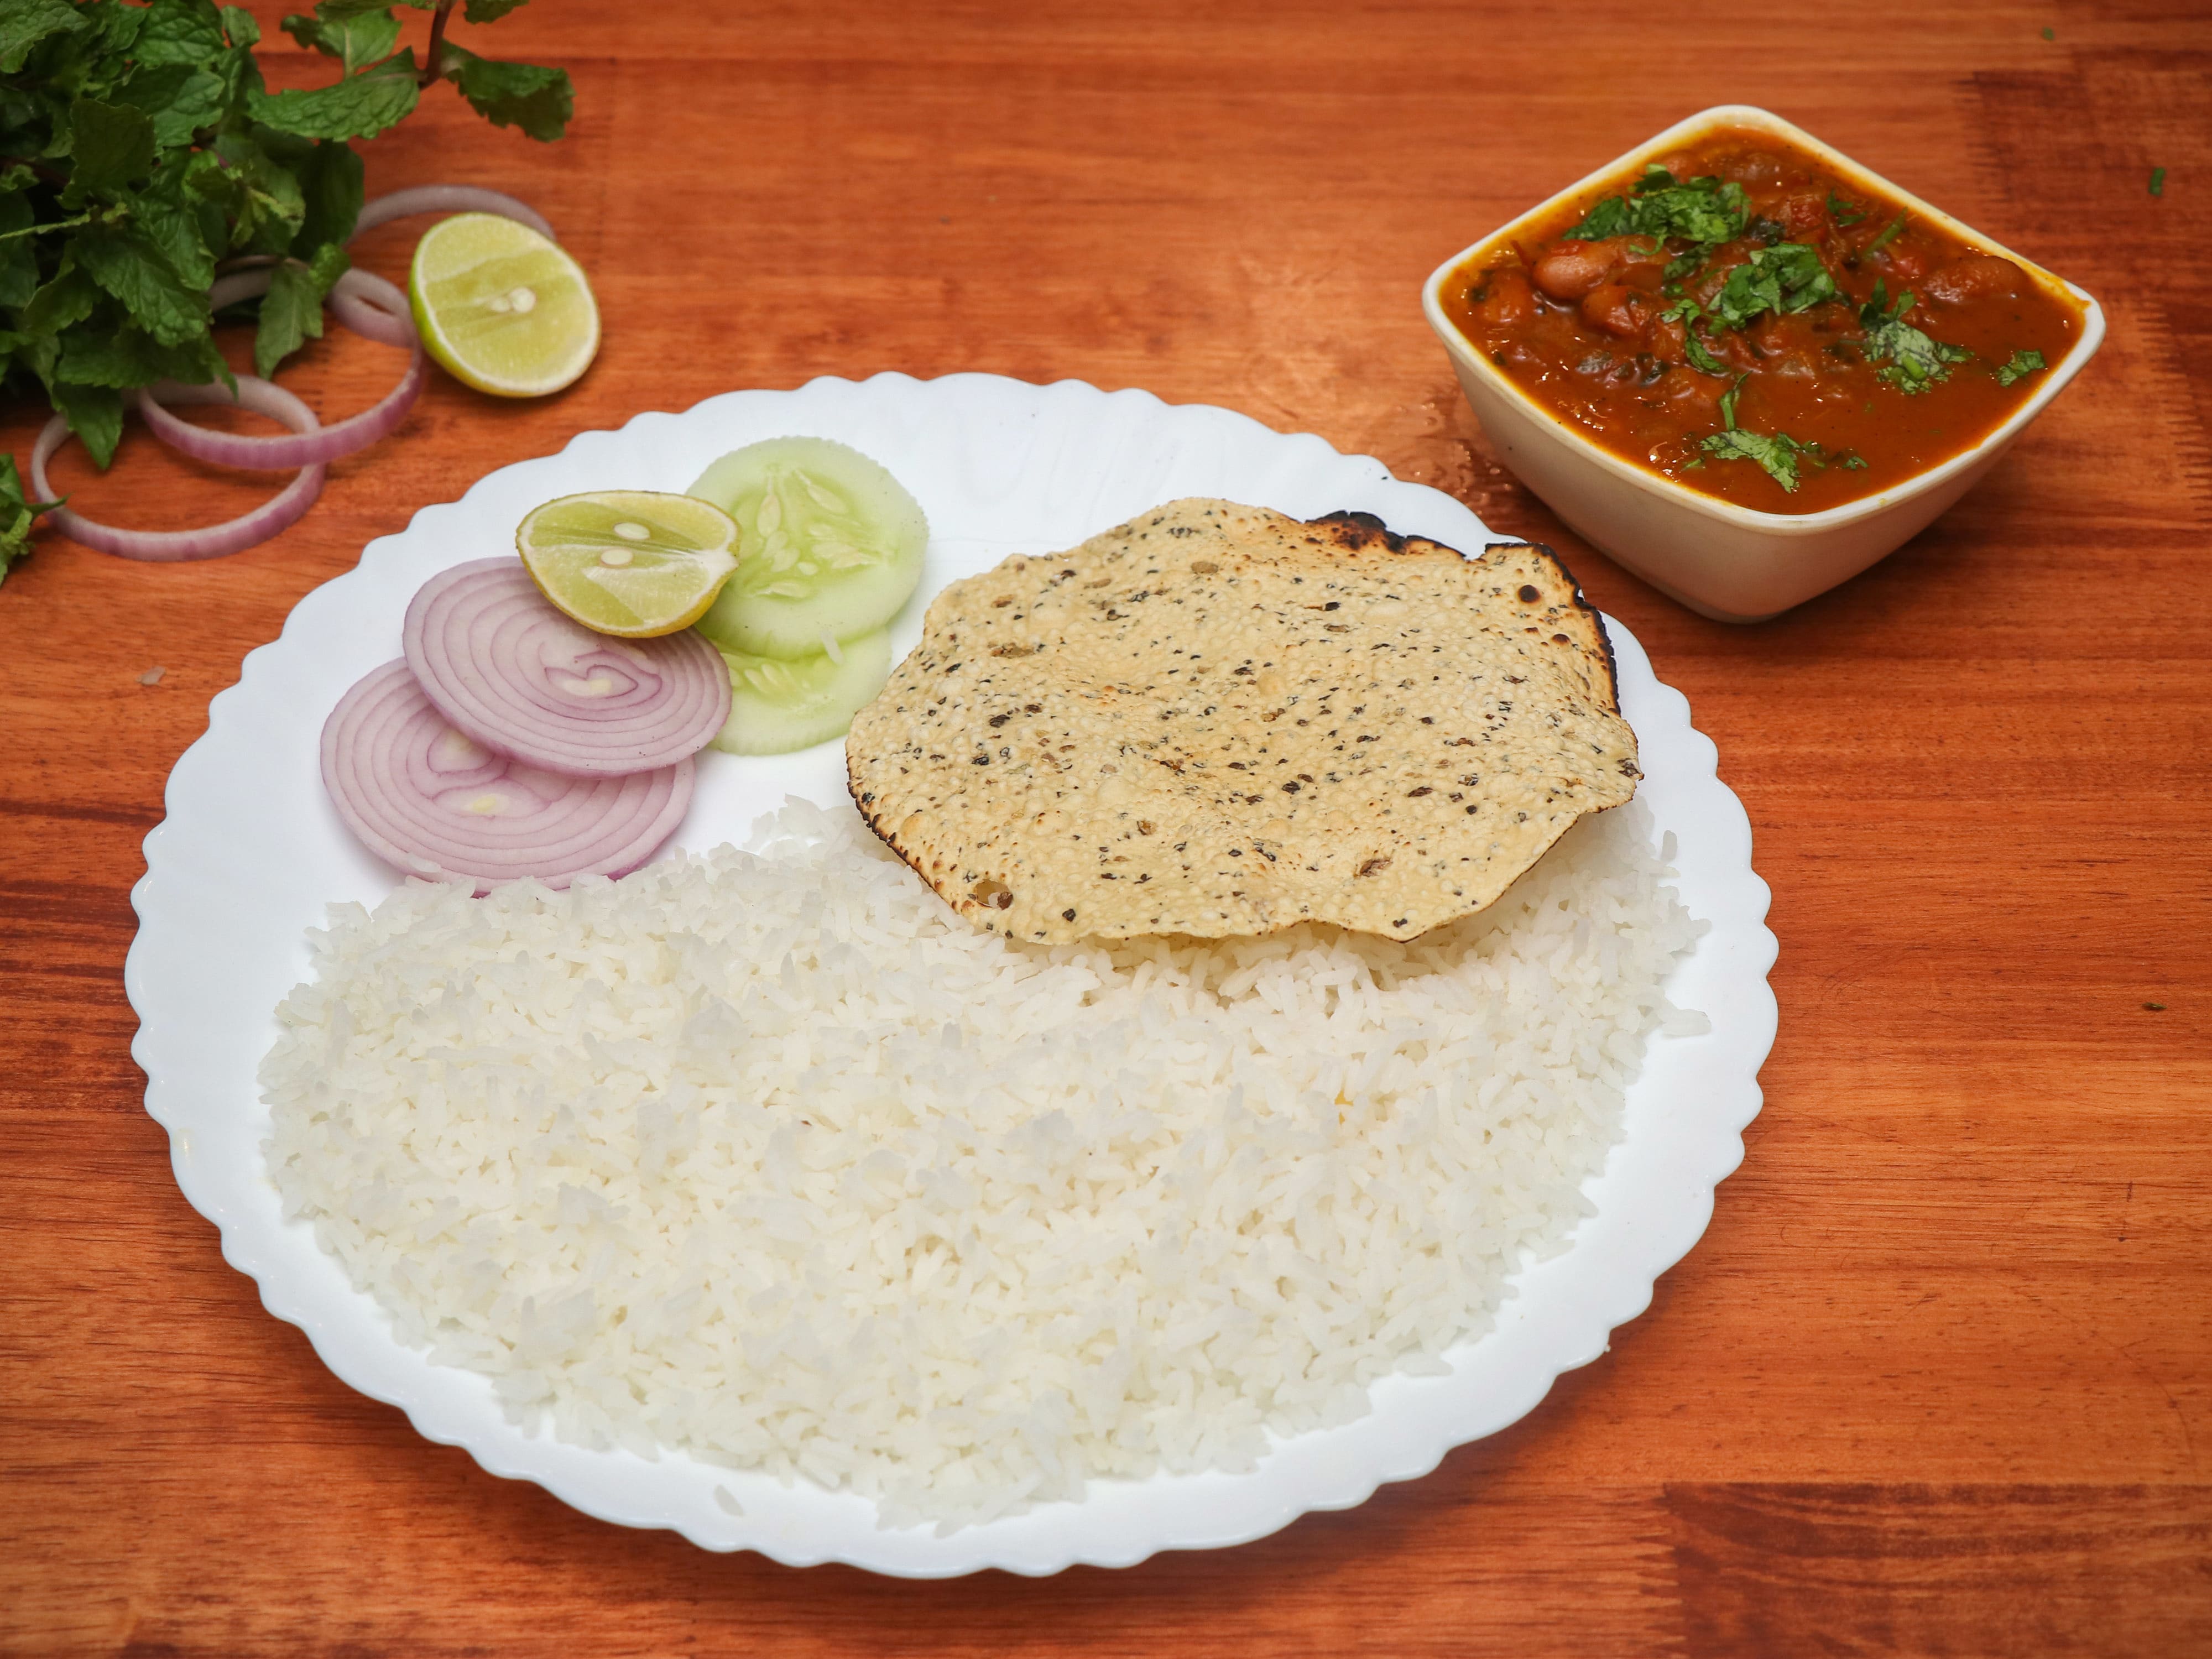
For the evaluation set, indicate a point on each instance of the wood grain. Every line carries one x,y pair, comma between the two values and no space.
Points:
1938,1380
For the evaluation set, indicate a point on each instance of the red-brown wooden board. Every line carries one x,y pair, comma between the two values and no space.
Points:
1939,1378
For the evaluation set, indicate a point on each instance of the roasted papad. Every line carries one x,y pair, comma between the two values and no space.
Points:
1216,721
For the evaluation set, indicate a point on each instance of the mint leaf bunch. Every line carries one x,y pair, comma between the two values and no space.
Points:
377,87
140,149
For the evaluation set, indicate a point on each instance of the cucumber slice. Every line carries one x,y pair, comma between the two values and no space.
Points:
829,546
780,703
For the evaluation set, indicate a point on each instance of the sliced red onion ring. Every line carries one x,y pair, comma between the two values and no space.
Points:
214,540
367,303
503,665
313,448
427,799
361,300
249,278
375,308
449,198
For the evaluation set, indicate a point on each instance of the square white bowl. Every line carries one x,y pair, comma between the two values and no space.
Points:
1728,562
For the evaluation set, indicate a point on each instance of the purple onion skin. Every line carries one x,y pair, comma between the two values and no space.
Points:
431,802
501,664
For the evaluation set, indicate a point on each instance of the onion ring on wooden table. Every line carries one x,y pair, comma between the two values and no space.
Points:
449,198
209,541
372,298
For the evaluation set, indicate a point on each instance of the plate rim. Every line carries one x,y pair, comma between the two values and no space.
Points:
166,1055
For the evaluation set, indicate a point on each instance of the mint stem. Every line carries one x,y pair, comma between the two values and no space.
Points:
430,66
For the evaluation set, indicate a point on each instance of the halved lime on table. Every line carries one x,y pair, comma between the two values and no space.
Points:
635,563
501,307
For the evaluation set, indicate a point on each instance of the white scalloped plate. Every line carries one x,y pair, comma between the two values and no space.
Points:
251,854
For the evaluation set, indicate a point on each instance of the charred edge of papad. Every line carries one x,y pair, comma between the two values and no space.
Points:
1357,532
1582,605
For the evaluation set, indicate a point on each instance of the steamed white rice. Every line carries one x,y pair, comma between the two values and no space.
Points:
767,1155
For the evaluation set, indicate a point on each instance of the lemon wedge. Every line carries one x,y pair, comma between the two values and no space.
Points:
631,562
501,308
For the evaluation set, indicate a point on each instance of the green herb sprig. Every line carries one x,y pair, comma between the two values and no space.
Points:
1699,356
141,150
1912,361
1785,278
16,515
1888,234
1776,453
1704,210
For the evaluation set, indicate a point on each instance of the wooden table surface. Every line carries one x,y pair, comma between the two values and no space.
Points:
1939,1378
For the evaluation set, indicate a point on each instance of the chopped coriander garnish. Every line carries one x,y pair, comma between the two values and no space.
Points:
1845,214
1915,362
2023,364
1607,218
1727,402
1765,230
1784,279
1684,264
2158,181
1776,454
2049,33
1889,234
1690,314
1700,359
1707,210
